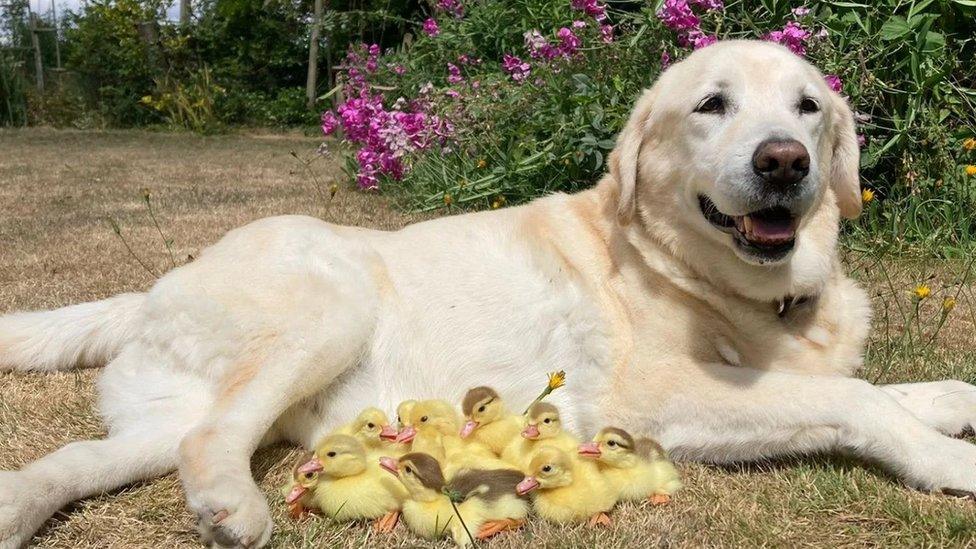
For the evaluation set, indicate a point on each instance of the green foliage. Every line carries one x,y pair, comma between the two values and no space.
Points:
13,92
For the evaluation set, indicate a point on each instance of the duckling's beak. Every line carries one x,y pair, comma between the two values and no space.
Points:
311,466
388,433
406,435
531,431
590,449
469,427
527,485
296,493
390,465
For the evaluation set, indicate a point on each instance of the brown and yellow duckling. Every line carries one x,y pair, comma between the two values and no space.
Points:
635,469
487,420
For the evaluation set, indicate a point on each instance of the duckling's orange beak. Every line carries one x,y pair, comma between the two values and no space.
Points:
390,465
531,431
527,485
311,466
406,435
388,433
296,494
469,427
590,449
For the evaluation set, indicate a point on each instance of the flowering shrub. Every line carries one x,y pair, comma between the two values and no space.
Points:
498,101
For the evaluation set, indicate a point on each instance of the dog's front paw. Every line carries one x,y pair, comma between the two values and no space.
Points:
232,513
20,514
951,469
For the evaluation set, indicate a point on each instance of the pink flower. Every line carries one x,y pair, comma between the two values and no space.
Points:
453,7
453,94
833,81
677,15
593,8
453,73
793,36
606,33
538,46
861,140
399,69
665,59
579,24
569,43
515,67
801,11
330,122
699,40
431,28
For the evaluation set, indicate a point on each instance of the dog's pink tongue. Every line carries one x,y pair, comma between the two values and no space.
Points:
769,230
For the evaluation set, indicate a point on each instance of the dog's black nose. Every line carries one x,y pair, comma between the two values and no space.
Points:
781,162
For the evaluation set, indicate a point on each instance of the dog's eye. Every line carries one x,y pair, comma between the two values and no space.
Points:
809,105
713,104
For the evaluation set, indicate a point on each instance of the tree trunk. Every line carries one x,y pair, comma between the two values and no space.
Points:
311,85
38,60
185,13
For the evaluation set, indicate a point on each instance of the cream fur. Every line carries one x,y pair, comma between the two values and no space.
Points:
662,328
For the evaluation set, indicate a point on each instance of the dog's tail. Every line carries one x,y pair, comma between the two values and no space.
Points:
88,334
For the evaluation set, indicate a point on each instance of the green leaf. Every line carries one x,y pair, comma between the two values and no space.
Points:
894,28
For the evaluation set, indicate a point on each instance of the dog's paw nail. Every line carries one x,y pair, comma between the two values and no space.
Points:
965,494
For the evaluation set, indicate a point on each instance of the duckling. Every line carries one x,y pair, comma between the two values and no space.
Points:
300,488
351,487
485,500
542,428
403,412
432,428
569,490
372,428
487,421
636,470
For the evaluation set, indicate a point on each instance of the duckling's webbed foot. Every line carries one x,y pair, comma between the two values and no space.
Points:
494,527
387,522
659,499
600,519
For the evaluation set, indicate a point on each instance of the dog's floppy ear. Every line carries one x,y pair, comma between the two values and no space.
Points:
845,163
624,158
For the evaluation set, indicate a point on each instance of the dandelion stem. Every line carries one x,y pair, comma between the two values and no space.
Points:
118,232
152,215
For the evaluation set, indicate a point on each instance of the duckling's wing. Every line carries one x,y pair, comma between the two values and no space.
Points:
487,484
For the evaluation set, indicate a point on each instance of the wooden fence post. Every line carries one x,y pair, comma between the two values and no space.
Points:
311,84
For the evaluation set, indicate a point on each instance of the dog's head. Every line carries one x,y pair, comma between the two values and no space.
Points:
741,157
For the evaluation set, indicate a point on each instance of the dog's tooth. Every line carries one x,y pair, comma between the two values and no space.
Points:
747,226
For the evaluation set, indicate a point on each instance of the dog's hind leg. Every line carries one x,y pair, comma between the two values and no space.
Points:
30,496
214,459
947,406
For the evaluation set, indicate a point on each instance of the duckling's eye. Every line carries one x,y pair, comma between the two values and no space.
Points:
611,443
481,409
424,419
399,420
409,470
547,469
371,425
309,475
547,420
331,454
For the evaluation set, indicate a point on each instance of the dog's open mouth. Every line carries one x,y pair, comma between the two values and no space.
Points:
769,233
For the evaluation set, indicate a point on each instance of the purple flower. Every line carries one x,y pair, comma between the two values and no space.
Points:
833,81
677,15
569,43
699,40
399,69
374,50
593,8
431,28
579,24
606,33
515,67
538,46
330,122
801,11
453,7
709,5
665,59
793,36
453,73
861,140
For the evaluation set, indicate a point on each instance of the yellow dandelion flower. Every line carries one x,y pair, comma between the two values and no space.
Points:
498,202
482,163
948,304
557,380
969,144
867,195
971,170
922,291
146,99
448,200
333,189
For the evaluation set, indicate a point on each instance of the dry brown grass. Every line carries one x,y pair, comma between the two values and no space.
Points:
56,188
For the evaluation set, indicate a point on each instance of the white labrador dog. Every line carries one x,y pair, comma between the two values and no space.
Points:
694,295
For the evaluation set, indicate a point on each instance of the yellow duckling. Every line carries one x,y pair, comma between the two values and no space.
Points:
351,487
372,428
299,490
543,427
403,412
432,428
569,490
487,421
485,501
636,470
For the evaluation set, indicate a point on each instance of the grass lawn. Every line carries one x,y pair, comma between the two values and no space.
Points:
58,190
